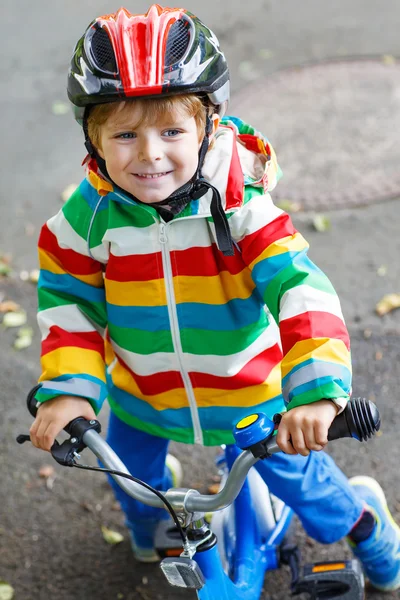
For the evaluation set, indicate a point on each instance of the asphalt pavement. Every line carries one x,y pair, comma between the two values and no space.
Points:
51,545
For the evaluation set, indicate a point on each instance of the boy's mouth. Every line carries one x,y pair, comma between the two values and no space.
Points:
151,175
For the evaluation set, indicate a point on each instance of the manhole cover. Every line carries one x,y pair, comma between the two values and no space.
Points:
335,127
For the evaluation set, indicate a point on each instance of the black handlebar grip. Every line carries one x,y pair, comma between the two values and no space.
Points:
360,420
31,401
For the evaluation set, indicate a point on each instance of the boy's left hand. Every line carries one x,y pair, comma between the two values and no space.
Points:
305,428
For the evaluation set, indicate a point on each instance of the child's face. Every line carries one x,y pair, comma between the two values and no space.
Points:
150,161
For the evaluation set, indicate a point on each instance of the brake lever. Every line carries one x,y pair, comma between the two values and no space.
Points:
66,452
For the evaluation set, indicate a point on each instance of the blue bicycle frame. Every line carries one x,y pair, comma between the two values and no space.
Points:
249,555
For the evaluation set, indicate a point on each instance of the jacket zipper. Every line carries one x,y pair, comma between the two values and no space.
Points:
175,332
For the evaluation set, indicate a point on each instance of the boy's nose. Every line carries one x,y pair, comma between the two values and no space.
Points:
149,152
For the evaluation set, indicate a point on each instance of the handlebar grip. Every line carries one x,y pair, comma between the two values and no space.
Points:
360,420
31,400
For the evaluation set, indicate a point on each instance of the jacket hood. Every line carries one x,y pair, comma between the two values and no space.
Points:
240,156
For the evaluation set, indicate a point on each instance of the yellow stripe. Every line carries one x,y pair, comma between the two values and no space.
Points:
327,349
290,243
49,263
72,361
217,289
205,397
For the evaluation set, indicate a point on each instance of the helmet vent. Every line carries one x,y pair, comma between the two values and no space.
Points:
177,43
103,52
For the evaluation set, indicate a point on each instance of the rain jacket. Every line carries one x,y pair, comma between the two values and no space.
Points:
183,340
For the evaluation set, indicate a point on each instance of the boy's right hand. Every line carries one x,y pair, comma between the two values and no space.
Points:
52,416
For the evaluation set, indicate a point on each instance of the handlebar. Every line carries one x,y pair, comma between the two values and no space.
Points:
359,420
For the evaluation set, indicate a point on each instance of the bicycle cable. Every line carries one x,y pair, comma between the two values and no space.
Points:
147,486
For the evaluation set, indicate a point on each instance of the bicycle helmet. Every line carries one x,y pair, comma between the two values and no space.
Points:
166,51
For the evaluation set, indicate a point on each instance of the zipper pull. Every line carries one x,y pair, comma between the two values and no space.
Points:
163,234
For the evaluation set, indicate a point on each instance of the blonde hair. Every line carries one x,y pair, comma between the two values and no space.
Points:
152,110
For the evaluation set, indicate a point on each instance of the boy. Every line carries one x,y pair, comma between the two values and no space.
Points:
171,267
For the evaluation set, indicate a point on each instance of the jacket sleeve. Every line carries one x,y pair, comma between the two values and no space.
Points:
315,342
72,313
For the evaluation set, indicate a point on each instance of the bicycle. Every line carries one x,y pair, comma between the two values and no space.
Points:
249,533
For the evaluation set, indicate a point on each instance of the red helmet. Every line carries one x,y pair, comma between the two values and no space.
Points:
164,52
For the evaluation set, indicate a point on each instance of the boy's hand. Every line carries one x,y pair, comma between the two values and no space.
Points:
305,428
52,416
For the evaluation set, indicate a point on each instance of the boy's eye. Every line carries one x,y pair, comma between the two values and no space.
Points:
172,132
126,135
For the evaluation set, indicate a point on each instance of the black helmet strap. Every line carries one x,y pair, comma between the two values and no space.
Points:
193,189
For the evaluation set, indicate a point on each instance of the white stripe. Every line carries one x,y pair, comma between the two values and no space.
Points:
218,161
221,366
133,240
67,238
256,214
68,317
304,298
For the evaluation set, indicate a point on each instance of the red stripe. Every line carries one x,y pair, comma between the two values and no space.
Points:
59,338
255,243
68,259
313,324
235,185
205,262
158,383
135,267
255,372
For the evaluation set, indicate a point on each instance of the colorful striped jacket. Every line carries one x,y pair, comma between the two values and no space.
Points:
183,340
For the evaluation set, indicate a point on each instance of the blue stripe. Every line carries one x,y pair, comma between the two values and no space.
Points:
92,197
147,318
216,417
67,284
233,315
266,270
343,384
194,205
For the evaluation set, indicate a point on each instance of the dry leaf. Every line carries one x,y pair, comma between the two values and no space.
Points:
69,190
321,223
367,334
24,275
24,339
388,59
9,306
60,108
289,206
14,319
110,536
387,304
382,271
34,275
214,488
6,591
378,355
46,471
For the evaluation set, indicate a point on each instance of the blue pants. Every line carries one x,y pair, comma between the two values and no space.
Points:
313,486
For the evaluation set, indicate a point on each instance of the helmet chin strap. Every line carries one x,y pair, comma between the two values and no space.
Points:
194,189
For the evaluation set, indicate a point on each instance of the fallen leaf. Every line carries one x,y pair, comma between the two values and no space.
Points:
382,271
24,339
14,319
110,536
6,591
9,306
60,108
214,488
367,334
24,275
289,206
5,268
321,223
378,355
46,471
69,190
387,304
34,275
388,59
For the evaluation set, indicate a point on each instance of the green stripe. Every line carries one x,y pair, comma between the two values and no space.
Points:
222,343
78,213
211,437
133,215
322,392
95,311
141,341
289,278
250,192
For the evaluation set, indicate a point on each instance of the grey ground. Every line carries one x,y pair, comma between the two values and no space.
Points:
51,545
